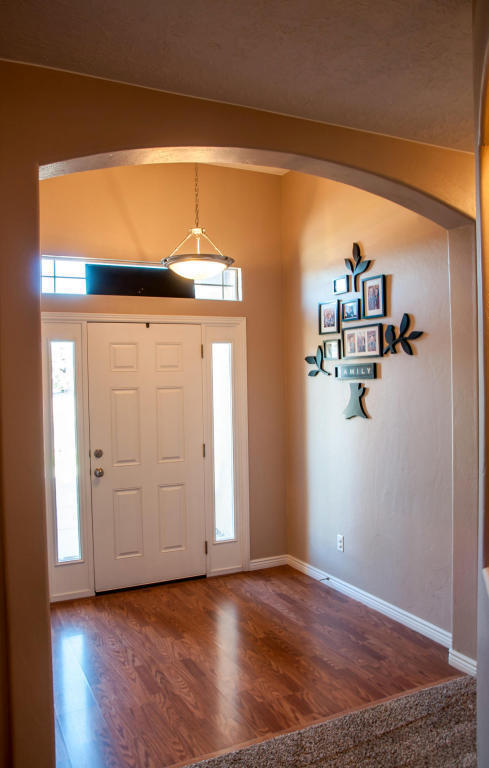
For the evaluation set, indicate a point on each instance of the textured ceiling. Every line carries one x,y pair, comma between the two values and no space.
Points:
399,67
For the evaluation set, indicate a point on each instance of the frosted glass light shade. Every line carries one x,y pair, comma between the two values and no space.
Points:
198,266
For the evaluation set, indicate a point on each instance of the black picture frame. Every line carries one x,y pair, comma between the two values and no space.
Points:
378,281
361,333
327,342
337,288
326,328
356,316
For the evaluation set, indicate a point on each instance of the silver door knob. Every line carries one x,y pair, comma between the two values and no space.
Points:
98,472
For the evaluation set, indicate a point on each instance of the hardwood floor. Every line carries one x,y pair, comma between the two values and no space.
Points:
162,675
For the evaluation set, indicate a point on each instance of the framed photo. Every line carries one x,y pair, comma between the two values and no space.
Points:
328,317
332,349
350,310
363,341
373,297
341,284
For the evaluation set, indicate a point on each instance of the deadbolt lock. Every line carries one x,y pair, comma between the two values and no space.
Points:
98,453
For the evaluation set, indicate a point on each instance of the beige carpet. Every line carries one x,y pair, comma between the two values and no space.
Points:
430,728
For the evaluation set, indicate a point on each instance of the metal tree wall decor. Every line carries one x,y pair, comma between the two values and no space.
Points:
393,340
357,266
355,404
317,361
363,344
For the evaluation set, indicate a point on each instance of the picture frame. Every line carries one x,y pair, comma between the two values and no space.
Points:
341,284
329,317
362,341
332,349
373,297
350,310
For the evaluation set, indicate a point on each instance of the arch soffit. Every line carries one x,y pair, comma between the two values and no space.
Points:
402,194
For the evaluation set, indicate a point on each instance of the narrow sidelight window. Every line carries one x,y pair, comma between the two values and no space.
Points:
223,443
64,431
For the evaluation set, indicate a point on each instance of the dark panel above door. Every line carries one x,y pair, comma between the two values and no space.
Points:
109,280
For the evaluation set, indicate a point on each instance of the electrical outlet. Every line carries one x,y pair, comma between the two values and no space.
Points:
340,543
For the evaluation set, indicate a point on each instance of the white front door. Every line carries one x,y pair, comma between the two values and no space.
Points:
146,446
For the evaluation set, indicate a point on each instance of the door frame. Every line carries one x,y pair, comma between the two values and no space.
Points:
83,584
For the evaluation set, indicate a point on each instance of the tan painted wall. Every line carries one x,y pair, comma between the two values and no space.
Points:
481,99
141,213
462,267
385,483
49,117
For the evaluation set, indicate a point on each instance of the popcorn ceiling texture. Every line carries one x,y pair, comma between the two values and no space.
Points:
432,727
399,67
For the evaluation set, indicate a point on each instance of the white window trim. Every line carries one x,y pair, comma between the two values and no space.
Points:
75,576
82,583
121,263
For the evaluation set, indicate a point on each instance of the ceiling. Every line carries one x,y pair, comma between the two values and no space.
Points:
397,67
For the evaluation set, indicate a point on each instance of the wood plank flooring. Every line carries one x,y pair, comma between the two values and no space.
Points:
152,677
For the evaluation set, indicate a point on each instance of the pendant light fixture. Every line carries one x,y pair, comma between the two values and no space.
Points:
197,264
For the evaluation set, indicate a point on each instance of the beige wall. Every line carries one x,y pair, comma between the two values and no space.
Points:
384,483
141,213
481,99
49,117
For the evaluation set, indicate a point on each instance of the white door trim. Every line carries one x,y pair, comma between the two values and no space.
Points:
94,317
241,422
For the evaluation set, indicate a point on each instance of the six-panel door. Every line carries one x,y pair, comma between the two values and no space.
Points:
145,392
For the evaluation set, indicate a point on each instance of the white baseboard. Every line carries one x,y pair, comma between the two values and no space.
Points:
462,662
76,595
441,636
268,562
435,633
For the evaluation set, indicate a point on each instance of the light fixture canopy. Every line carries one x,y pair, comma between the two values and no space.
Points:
197,264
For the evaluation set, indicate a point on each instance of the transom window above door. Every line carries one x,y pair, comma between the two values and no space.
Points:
68,276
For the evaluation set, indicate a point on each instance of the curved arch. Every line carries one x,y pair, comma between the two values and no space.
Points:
51,116
395,191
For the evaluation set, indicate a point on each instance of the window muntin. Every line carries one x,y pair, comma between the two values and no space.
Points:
223,287
63,276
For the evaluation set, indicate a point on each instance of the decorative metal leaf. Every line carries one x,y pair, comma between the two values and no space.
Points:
313,373
356,253
310,359
415,335
404,324
389,334
406,346
349,265
360,268
319,357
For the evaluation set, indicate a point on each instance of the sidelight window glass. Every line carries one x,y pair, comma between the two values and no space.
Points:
64,436
223,443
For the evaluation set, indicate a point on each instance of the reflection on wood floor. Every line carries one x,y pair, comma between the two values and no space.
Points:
157,676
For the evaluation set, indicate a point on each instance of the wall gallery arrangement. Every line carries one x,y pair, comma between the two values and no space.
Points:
357,342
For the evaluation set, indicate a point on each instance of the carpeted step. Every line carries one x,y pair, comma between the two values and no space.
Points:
433,728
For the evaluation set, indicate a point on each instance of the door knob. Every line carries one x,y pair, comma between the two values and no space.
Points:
98,472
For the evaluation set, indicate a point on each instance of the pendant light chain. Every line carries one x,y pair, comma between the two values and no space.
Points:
197,195
197,265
